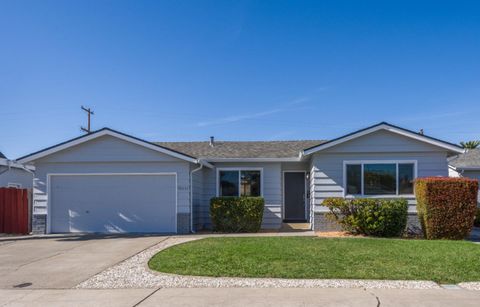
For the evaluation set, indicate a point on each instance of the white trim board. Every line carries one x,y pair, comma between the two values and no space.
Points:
49,215
386,127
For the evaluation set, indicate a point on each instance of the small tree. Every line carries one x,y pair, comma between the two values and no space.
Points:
470,144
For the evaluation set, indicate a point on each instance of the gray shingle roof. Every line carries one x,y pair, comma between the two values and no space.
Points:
470,159
247,149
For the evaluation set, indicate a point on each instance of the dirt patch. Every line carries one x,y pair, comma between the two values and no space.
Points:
337,234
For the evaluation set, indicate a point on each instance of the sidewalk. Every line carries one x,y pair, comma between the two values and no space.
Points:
240,297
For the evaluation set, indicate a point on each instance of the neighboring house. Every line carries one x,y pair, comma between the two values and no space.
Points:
465,165
107,181
14,175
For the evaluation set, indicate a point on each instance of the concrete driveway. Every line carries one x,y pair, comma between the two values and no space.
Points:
63,261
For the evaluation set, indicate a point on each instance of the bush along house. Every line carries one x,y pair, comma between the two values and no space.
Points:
107,181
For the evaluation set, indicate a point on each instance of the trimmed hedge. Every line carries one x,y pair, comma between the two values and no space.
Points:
446,207
369,216
237,214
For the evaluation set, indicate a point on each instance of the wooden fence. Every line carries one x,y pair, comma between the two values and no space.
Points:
14,211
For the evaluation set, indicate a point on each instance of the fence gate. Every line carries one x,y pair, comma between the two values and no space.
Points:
13,210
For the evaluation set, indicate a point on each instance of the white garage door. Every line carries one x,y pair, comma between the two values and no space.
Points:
113,203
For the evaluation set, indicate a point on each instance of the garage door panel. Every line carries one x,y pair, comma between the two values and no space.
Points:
113,203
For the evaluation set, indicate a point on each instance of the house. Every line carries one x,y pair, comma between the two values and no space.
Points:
14,175
107,181
465,165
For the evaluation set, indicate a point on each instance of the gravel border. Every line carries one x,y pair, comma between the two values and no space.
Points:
470,285
134,273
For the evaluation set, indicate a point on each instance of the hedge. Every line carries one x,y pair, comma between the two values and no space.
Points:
446,207
369,216
237,214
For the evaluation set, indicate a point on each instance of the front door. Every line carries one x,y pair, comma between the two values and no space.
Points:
294,196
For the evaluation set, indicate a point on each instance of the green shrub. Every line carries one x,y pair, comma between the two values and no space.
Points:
476,223
369,216
237,214
446,206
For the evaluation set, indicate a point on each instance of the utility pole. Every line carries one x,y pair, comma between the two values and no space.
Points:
89,112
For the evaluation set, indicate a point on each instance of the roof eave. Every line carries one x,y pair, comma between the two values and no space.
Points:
96,134
286,159
384,126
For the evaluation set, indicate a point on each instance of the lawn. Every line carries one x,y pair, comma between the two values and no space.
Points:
311,257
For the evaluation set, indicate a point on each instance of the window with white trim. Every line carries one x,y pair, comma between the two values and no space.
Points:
14,185
239,182
379,178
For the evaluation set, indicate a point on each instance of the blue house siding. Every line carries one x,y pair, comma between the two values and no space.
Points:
327,173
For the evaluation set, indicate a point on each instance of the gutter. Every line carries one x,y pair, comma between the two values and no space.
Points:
191,192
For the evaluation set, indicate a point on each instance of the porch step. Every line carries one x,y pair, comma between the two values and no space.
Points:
295,227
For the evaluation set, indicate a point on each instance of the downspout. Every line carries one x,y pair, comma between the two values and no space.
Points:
191,194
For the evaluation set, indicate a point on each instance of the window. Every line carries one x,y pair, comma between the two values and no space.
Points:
405,178
229,183
239,183
14,185
354,179
379,178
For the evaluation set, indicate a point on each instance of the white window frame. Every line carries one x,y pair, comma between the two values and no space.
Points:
363,162
239,169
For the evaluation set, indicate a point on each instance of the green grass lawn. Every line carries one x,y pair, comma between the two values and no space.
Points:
311,257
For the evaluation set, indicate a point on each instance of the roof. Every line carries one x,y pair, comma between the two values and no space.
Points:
246,149
102,132
388,127
467,160
2,156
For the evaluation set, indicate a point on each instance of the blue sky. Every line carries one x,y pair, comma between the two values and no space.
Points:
238,70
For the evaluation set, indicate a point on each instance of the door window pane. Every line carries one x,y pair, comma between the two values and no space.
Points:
405,178
250,183
354,179
229,183
380,179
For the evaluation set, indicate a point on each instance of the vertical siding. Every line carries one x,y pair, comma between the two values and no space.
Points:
197,196
272,192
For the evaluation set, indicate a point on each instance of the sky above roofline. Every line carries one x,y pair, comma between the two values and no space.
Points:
243,70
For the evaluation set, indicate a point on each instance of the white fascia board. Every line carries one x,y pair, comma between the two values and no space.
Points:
292,159
388,128
100,133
